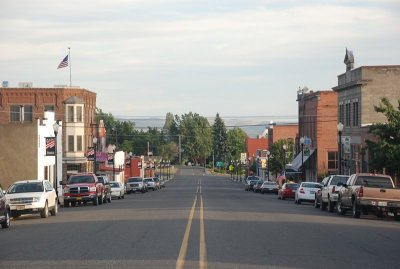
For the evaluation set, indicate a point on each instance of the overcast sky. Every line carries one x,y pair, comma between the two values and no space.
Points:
235,57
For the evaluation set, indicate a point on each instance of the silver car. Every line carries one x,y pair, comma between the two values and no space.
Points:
269,187
135,184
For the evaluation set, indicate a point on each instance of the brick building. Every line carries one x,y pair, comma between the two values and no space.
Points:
318,127
359,90
75,107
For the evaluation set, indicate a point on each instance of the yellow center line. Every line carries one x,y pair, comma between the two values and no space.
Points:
203,250
180,263
182,253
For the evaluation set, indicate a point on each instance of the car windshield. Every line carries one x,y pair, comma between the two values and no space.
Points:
339,179
292,186
81,179
156,179
374,182
134,180
26,187
310,185
114,185
148,180
252,178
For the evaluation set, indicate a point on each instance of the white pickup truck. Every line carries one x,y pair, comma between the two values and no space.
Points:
330,190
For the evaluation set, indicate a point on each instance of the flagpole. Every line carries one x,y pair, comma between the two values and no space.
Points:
70,66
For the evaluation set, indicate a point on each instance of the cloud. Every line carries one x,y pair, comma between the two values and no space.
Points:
200,48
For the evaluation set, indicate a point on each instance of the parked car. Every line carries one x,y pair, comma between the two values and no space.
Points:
287,191
32,196
365,193
162,182
306,192
135,184
158,182
4,211
257,186
329,192
151,184
107,188
117,190
269,187
249,182
83,187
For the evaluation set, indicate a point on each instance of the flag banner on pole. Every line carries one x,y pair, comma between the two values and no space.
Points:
50,146
110,158
90,154
64,63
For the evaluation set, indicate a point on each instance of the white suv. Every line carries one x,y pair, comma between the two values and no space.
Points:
32,196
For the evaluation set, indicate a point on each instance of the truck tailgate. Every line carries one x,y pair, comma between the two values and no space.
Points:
381,194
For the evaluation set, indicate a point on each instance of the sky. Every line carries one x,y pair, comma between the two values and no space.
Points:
238,58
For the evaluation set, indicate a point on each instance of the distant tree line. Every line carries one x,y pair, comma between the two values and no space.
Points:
199,142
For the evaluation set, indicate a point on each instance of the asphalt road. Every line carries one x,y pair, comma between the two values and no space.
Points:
200,221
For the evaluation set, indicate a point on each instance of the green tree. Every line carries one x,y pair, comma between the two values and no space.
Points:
170,128
168,151
280,156
220,138
236,143
384,152
196,136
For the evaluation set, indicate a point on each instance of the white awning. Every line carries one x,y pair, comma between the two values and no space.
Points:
296,163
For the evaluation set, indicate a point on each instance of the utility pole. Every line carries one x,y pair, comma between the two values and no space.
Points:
180,150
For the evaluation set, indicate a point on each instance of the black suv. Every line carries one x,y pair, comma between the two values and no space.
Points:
107,188
4,211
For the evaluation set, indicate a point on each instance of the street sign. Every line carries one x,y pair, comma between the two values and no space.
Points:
346,144
243,157
219,164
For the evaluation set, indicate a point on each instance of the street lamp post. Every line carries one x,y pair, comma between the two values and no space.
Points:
340,131
55,129
284,157
268,156
94,159
302,158
113,148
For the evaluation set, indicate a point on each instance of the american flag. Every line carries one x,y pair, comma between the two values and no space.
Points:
90,152
64,63
50,143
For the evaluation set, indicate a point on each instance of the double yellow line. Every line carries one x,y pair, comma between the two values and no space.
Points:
203,251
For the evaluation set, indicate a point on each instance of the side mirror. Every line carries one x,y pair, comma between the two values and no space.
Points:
345,185
61,183
4,192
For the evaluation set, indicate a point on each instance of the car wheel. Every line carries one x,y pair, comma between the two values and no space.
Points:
45,211
96,201
54,211
322,206
6,223
316,204
396,215
298,201
339,208
283,198
330,205
73,203
356,210
66,204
